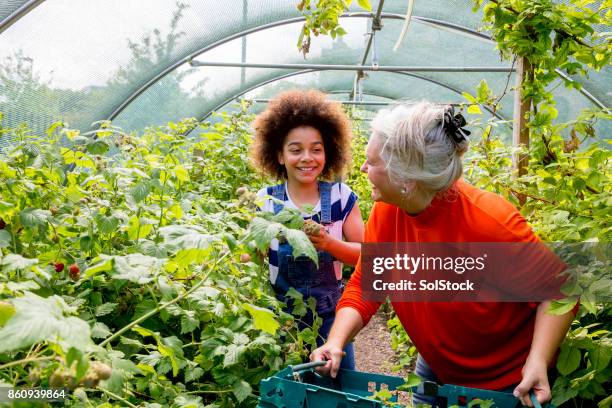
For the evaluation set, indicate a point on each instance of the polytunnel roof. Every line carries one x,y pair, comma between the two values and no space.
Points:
133,61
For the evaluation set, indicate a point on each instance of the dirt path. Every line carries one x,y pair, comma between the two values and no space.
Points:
373,352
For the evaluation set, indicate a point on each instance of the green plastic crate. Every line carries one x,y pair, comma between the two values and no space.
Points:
300,387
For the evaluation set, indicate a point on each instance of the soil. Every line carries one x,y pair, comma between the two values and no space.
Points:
373,352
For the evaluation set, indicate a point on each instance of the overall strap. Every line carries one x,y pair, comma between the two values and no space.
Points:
278,192
325,196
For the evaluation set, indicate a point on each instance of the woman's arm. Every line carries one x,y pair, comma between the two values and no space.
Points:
347,251
549,331
347,324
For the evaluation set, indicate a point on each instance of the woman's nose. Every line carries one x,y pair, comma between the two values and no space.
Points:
364,167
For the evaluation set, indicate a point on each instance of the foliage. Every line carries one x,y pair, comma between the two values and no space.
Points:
566,188
131,261
358,181
322,19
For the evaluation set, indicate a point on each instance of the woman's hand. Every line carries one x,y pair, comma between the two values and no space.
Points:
535,376
332,354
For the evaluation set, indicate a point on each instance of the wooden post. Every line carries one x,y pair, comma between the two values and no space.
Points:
520,131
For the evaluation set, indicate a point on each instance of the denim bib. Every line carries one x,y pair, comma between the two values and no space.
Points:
301,272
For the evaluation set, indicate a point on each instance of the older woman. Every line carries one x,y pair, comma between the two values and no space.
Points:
414,163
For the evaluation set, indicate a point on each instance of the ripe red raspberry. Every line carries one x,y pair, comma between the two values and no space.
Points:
59,266
2,224
74,271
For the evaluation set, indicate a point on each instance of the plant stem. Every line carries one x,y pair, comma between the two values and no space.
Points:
117,397
170,302
25,361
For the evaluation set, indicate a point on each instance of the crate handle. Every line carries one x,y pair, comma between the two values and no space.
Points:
534,400
307,366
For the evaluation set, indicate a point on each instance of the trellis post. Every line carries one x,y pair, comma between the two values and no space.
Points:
520,131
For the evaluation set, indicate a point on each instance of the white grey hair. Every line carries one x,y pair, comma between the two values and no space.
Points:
416,147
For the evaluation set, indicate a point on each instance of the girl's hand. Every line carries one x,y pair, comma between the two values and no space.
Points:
332,354
535,376
321,241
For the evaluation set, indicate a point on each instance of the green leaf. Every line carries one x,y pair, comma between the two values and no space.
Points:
474,110
105,264
33,217
241,390
137,268
183,237
7,310
263,319
193,373
569,359
469,97
100,331
188,401
189,322
13,262
605,403
105,309
365,4
5,239
600,355
78,357
107,224
263,232
39,319
561,307
97,147
140,191
233,354
301,244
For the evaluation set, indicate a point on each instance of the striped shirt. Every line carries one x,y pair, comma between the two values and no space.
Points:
342,202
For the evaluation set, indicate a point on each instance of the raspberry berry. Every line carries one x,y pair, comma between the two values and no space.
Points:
58,266
2,224
310,227
74,271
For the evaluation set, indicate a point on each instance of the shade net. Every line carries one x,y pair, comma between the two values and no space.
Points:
81,62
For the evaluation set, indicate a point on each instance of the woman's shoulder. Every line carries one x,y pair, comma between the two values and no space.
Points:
494,213
485,200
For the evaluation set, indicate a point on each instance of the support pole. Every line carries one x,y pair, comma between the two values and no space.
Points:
331,67
520,131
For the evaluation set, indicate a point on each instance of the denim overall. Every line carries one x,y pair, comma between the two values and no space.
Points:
303,275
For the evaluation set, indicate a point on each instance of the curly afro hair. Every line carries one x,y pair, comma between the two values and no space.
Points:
296,108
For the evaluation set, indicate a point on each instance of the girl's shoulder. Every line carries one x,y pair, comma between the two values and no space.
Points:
265,193
341,189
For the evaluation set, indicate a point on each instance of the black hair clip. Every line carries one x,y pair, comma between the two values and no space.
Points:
453,124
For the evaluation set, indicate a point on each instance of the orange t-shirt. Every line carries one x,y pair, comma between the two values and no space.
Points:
481,345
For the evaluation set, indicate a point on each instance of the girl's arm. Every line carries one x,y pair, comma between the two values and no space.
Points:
347,251
548,333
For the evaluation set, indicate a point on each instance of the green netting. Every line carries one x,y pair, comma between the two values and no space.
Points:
85,61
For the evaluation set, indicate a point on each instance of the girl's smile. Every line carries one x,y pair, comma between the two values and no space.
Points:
303,155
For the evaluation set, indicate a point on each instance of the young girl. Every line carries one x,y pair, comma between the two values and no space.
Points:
302,139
